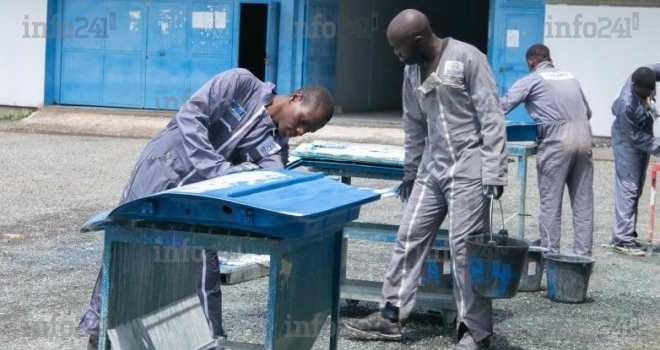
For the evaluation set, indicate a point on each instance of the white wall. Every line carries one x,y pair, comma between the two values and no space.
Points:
22,60
602,65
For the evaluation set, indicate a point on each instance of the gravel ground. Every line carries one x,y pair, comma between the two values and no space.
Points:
52,184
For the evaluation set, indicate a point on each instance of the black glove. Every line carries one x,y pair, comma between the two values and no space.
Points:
245,166
494,191
404,190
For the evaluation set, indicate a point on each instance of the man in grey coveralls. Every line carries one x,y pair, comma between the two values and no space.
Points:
233,123
555,101
632,143
454,158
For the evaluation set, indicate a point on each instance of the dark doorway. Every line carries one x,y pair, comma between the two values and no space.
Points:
252,38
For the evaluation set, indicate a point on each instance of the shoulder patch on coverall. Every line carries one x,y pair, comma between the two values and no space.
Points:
237,110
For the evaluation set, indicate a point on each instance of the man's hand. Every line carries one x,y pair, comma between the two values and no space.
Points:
245,166
404,190
494,191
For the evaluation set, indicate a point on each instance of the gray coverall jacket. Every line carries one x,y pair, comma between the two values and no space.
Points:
454,143
632,143
223,123
555,101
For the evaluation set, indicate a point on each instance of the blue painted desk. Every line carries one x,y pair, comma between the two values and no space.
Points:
149,244
385,162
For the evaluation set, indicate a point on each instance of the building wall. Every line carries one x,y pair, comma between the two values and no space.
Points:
23,60
601,64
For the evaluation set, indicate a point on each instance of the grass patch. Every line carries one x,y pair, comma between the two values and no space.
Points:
14,114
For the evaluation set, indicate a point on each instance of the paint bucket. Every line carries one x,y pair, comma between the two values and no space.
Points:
532,273
568,276
495,263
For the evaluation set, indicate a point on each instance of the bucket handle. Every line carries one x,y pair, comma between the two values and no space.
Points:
502,231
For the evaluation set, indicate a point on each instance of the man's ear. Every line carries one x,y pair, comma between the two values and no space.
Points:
296,96
530,64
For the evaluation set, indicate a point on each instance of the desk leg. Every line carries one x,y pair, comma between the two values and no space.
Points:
339,271
344,245
105,293
522,180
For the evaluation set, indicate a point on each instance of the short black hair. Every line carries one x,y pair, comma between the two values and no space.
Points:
538,53
318,96
644,77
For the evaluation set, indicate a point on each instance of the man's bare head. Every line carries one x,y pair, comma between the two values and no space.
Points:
408,34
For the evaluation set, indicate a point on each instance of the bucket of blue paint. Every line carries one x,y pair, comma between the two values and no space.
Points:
532,273
495,263
568,276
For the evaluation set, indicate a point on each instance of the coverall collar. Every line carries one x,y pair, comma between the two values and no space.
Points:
543,65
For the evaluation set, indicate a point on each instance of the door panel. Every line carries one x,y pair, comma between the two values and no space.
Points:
123,76
123,66
84,73
516,26
211,41
167,76
272,38
320,48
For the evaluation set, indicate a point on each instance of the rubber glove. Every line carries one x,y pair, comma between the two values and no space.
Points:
494,191
404,190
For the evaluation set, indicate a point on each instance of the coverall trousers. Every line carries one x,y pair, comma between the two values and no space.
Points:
430,202
630,172
560,163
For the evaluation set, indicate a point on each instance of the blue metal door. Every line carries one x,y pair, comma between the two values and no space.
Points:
272,40
188,43
320,46
515,26
141,53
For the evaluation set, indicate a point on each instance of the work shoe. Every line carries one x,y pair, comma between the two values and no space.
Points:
468,343
633,249
375,326
93,342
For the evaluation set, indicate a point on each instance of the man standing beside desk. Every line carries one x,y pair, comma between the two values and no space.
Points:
233,123
632,143
555,101
454,158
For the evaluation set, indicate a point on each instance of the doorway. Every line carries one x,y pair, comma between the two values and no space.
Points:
253,38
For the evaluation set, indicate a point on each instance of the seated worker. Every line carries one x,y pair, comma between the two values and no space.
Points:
632,143
233,123
555,101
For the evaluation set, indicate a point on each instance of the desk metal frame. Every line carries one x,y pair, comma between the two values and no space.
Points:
298,290
427,296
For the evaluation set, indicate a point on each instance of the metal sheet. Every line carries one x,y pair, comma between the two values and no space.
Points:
274,203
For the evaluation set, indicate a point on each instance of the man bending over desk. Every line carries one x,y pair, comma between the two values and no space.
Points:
233,123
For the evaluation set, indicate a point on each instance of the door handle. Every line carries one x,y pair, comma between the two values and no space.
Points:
502,69
161,53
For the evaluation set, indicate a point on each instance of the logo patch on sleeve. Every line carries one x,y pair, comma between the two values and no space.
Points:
237,110
268,147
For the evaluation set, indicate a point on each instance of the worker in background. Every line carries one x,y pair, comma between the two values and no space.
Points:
632,143
233,123
555,101
454,158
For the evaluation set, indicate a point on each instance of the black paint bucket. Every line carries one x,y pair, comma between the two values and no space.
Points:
532,273
495,263
568,276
